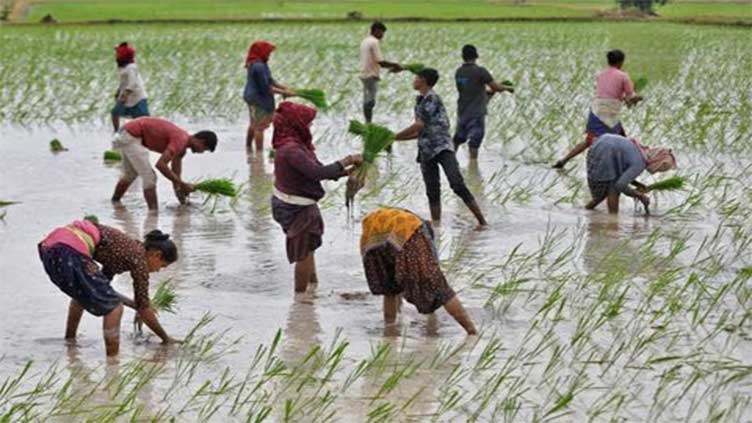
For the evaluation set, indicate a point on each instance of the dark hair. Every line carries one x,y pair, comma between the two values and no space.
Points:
431,76
376,25
156,240
615,57
469,52
209,138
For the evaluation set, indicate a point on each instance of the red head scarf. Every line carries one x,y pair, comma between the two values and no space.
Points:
124,54
259,51
292,123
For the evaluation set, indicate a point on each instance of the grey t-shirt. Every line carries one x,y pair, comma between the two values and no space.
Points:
471,82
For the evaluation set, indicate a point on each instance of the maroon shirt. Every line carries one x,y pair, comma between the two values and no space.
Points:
297,171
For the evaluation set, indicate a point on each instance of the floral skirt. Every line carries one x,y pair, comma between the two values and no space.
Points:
79,277
412,271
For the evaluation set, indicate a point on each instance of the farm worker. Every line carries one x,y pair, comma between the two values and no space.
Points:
613,88
474,84
371,62
259,92
130,99
431,128
399,258
297,187
614,162
139,136
70,255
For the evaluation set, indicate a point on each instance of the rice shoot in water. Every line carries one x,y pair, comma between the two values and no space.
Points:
222,186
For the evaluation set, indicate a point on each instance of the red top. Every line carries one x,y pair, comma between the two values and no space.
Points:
159,135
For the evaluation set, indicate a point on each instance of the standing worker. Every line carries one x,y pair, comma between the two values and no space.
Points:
371,62
134,141
130,99
613,88
475,86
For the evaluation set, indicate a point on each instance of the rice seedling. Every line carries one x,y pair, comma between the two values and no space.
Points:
375,140
56,146
414,68
640,83
669,184
316,96
112,156
223,186
164,297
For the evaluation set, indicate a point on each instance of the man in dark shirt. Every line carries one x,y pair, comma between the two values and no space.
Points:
475,85
431,129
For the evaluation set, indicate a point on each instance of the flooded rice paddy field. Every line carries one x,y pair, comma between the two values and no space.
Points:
583,316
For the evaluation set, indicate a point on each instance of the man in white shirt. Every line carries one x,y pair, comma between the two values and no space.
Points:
371,62
130,100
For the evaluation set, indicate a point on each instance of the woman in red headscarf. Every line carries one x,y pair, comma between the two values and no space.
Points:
259,92
297,187
130,99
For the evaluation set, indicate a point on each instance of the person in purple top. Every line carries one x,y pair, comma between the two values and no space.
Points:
297,187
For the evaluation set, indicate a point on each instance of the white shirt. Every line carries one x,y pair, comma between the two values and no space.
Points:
131,80
370,56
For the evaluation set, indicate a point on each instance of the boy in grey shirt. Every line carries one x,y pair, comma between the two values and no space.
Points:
475,84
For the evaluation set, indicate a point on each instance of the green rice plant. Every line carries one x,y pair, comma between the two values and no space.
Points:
375,140
112,156
92,218
221,186
316,96
640,83
7,203
669,184
414,67
164,297
56,146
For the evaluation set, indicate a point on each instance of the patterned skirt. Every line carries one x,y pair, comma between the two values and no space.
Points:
79,277
412,271
303,226
599,190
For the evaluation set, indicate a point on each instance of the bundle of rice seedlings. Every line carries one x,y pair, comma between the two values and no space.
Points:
222,186
164,298
375,140
669,184
315,96
508,83
56,146
112,156
640,83
414,67
92,218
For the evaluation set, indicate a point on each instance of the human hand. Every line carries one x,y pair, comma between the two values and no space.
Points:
356,159
397,68
186,188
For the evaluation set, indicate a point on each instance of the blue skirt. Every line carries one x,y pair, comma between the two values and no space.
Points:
79,277
595,128
139,109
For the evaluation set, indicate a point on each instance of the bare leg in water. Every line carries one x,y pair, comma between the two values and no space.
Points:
455,309
304,271
75,312
111,329
392,306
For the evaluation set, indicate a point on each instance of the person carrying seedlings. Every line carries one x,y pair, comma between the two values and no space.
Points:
475,85
614,162
371,62
297,187
259,92
72,256
400,259
431,129
130,99
613,89
139,136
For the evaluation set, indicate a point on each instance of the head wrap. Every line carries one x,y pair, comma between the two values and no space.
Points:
292,123
259,52
658,159
124,54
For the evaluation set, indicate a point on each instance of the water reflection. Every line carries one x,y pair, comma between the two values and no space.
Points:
302,329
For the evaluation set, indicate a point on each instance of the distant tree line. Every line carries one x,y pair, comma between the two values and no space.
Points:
643,5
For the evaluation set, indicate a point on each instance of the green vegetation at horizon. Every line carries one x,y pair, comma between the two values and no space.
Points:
102,10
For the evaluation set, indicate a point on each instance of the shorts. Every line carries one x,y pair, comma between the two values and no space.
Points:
138,110
79,277
473,129
260,118
135,159
370,89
